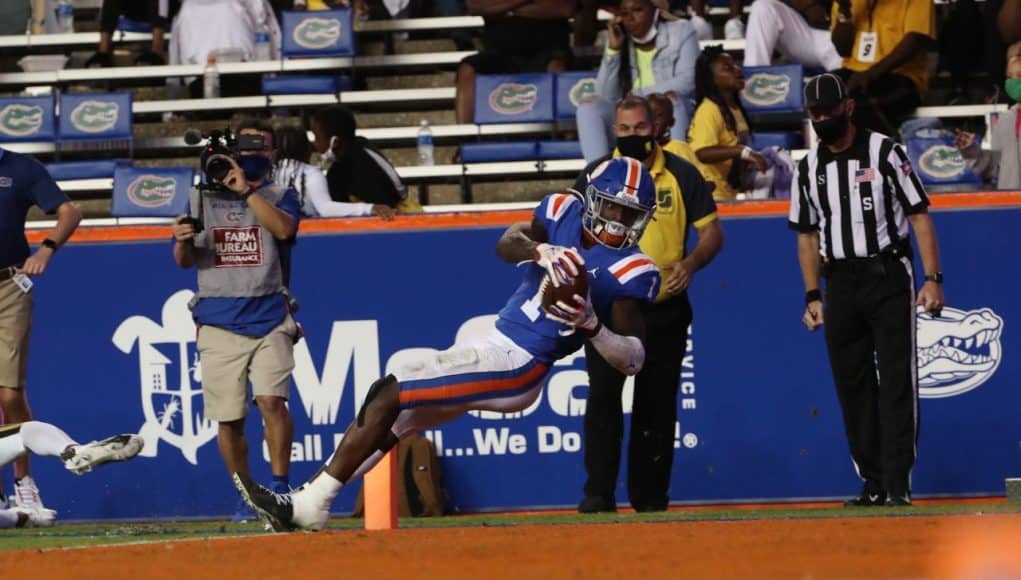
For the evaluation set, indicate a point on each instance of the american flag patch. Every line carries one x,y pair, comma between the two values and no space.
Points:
905,168
864,175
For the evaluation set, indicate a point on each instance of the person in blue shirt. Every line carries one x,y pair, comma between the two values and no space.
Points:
24,182
242,309
570,235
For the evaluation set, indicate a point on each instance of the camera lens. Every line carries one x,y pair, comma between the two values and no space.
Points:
217,168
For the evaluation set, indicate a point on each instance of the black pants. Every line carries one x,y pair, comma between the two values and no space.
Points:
870,333
654,411
140,10
886,104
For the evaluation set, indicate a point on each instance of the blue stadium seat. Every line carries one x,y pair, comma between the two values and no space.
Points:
305,84
572,88
97,169
524,98
151,191
501,151
773,89
95,116
559,150
785,140
317,33
125,24
27,119
937,161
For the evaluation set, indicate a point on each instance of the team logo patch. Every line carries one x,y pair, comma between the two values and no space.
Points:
152,190
513,98
238,247
170,378
6,181
958,351
764,89
95,116
941,161
582,90
18,120
317,33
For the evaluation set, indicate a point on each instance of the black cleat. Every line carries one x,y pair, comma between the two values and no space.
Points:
275,509
868,498
898,500
594,504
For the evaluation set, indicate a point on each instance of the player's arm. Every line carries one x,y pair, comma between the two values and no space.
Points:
623,346
518,244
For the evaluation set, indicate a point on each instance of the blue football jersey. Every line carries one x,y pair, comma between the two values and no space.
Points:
612,273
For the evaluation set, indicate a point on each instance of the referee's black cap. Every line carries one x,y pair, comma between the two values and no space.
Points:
825,92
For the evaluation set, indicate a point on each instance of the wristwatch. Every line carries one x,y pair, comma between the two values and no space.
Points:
48,243
937,278
244,196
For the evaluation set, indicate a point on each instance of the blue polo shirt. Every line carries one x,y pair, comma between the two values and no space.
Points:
24,182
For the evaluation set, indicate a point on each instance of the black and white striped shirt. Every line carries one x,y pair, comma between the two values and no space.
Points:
858,199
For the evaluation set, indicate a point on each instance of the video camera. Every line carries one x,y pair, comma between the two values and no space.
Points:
220,145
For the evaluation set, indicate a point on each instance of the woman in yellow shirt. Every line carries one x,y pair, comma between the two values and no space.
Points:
719,130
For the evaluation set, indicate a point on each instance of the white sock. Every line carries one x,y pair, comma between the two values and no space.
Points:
311,504
322,489
45,439
8,519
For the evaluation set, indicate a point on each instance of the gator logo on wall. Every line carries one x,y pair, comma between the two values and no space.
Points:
95,116
582,90
765,90
152,191
942,162
513,98
317,33
18,120
958,351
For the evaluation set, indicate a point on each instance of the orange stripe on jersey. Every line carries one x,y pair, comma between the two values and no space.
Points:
457,391
638,263
557,203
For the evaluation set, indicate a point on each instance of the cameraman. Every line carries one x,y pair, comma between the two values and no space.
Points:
241,247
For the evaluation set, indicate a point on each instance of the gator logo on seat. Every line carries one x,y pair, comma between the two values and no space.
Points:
765,90
942,162
582,90
18,120
95,116
513,98
958,351
317,33
152,190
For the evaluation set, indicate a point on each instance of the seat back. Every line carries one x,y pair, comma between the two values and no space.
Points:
523,98
773,89
151,191
27,119
317,33
95,116
573,88
937,161
304,84
92,169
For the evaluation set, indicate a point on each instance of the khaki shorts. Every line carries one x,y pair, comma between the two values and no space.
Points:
15,323
229,361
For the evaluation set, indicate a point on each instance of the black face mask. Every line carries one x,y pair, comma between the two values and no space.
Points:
831,130
635,146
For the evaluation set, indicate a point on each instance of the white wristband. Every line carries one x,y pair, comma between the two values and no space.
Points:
746,153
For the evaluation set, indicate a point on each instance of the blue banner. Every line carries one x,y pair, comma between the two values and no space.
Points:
95,116
317,33
27,119
937,161
573,88
114,351
773,89
151,191
522,98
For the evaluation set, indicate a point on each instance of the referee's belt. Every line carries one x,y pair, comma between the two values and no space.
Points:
872,264
8,273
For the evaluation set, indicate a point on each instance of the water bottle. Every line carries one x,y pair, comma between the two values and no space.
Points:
262,48
65,17
211,79
425,145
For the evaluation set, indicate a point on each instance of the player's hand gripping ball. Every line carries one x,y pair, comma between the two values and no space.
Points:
565,292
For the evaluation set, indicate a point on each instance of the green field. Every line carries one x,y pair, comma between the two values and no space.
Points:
69,535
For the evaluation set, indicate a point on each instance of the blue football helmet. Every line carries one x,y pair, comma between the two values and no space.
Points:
620,199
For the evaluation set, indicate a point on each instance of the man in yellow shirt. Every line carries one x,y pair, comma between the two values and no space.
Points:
683,199
884,45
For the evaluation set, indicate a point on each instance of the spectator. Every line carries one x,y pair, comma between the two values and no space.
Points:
462,38
141,10
883,43
662,120
26,184
799,29
246,332
684,202
357,172
1003,160
1008,21
293,171
586,22
719,131
519,36
17,16
733,29
644,54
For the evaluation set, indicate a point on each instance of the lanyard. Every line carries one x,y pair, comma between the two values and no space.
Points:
872,8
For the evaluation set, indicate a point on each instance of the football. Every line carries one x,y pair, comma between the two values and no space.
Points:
566,291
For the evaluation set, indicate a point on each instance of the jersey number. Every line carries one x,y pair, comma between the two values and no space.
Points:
533,306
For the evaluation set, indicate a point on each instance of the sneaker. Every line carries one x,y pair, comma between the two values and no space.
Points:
594,504
276,509
867,498
26,495
150,58
100,60
733,29
898,500
80,459
40,518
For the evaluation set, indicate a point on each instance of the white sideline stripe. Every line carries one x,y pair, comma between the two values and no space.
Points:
157,541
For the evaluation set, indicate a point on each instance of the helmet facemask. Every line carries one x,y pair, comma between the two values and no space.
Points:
616,221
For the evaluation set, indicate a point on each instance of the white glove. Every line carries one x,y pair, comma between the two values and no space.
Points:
578,315
560,262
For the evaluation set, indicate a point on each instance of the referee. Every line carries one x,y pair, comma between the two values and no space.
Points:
855,195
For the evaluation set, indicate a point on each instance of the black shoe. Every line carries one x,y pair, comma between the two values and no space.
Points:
100,60
898,500
150,58
868,498
275,509
594,504
650,507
